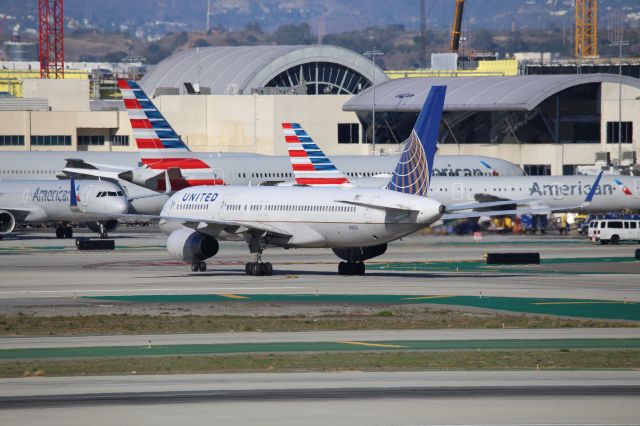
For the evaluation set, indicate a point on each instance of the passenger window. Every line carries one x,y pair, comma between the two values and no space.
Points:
615,225
633,225
626,225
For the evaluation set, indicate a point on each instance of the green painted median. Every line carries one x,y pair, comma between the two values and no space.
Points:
603,309
312,347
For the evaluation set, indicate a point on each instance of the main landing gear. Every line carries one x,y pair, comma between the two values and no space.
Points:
257,268
64,231
198,267
351,268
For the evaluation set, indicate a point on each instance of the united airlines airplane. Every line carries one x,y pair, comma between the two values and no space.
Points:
356,223
46,201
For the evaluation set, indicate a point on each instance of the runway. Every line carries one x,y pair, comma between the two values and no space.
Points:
141,266
512,397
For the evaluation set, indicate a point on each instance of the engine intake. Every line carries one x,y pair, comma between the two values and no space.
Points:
191,246
360,254
7,222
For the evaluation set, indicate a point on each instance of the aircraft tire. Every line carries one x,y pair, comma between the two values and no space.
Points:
342,268
359,267
256,269
59,232
194,267
267,267
202,266
247,268
68,232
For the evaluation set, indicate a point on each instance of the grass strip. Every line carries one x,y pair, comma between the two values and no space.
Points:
401,319
370,361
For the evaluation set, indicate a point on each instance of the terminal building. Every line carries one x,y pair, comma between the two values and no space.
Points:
235,99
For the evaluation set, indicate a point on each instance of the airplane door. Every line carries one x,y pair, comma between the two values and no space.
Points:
458,191
636,184
218,175
85,195
557,191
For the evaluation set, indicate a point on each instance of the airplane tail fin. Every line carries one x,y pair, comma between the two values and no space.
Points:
157,142
310,165
73,196
415,167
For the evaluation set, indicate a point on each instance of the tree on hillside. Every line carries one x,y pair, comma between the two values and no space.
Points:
291,34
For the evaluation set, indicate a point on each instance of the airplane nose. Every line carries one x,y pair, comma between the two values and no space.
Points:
121,206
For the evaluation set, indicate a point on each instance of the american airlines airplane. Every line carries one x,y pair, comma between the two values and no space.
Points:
356,223
561,193
45,201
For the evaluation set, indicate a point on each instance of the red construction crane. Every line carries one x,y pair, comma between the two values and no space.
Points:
51,25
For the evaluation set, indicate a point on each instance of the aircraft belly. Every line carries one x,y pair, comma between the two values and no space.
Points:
325,235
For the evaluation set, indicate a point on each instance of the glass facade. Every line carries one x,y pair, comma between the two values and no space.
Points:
570,116
49,140
85,140
11,140
322,78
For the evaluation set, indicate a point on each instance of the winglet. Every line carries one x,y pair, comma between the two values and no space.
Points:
415,167
73,197
593,190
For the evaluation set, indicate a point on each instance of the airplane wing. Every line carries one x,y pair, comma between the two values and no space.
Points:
214,227
375,203
78,172
19,213
469,206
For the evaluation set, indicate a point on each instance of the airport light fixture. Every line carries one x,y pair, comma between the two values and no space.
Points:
619,43
372,54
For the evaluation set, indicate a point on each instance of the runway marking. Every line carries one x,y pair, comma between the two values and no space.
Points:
583,303
378,345
133,291
426,297
234,296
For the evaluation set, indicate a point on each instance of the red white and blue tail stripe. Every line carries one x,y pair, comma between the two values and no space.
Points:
310,165
159,145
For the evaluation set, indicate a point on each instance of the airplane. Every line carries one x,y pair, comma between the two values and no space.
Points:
44,201
356,223
561,193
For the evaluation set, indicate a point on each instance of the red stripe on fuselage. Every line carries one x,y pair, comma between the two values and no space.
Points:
292,139
286,125
179,163
321,181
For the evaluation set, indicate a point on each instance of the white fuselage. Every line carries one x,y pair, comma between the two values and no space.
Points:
307,216
245,169
614,193
49,200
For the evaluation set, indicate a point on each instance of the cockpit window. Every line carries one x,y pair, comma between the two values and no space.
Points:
121,194
112,194
100,194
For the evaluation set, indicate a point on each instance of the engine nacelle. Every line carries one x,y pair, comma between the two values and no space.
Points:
109,225
360,254
7,222
191,246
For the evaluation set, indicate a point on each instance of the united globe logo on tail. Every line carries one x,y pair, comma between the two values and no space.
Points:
415,167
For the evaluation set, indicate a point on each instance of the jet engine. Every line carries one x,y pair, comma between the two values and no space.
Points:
360,254
108,226
7,222
191,246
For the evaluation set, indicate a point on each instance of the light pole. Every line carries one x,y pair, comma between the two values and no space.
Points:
373,53
620,42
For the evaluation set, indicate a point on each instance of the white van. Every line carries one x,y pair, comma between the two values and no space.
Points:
614,230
